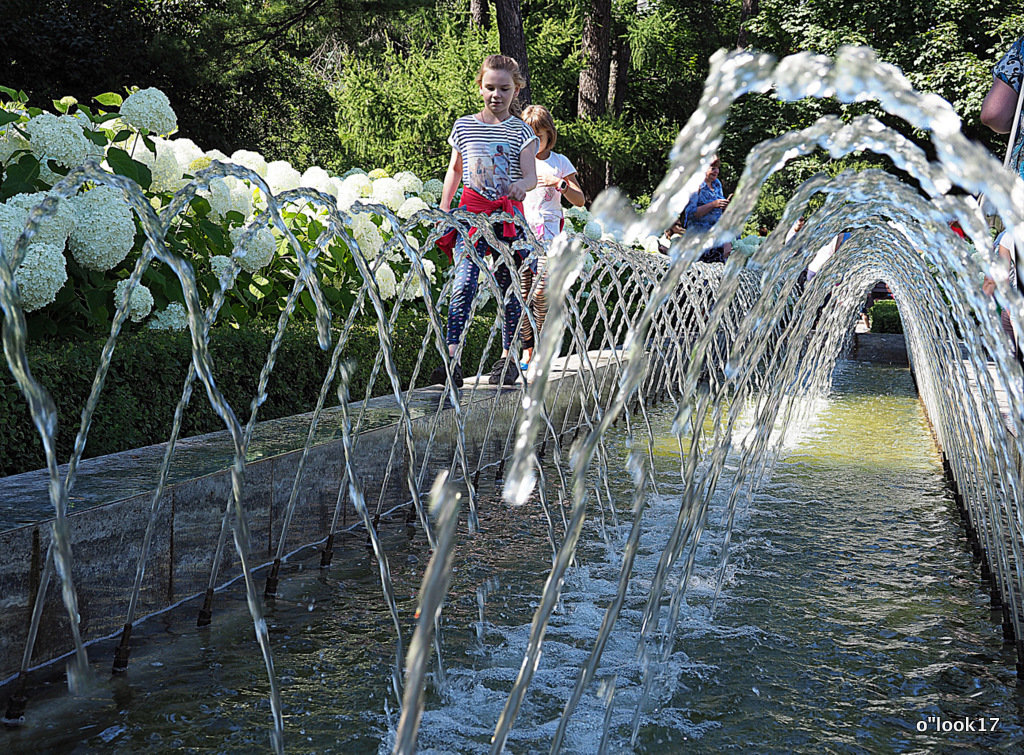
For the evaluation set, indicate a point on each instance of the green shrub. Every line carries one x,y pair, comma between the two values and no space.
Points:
148,368
885,317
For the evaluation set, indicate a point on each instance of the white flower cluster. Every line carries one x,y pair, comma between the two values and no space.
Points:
139,305
258,251
281,176
414,290
252,160
175,317
41,274
52,230
150,109
10,142
409,182
378,173
650,244
410,207
59,139
104,230
367,235
592,230
387,284
578,217
165,165
228,194
223,268
388,192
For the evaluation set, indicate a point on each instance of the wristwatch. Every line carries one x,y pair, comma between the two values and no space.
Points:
561,186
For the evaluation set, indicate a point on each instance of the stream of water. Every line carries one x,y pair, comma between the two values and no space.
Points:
851,616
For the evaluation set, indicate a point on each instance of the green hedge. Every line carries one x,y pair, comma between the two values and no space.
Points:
884,317
148,368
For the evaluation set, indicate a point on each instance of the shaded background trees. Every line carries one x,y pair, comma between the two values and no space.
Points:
346,82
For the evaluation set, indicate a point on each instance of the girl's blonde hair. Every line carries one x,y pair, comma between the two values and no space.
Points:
539,119
509,65
500,63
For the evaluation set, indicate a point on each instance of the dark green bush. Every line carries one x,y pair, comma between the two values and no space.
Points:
148,369
885,317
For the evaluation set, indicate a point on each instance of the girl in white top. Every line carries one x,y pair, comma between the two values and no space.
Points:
556,177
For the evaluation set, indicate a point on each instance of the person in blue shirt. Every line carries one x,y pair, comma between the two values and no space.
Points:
705,208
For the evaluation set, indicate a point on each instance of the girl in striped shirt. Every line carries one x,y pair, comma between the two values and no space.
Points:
493,156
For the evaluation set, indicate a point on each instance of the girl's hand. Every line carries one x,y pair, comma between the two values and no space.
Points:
547,179
516,191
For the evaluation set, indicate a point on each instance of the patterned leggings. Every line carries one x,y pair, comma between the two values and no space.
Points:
464,288
538,305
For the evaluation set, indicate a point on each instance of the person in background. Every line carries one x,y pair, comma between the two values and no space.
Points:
1005,249
1000,103
705,208
674,231
542,207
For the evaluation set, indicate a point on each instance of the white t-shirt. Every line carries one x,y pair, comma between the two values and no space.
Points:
543,205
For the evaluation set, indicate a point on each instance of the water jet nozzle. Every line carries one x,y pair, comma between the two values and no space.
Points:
122,651
206,612
15,715
328,552
270,590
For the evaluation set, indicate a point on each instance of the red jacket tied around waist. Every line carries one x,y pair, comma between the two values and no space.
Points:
476,202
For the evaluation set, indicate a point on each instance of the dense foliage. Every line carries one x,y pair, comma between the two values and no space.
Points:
343,82
884,317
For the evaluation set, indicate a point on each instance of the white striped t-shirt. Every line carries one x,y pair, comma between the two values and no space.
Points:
490,152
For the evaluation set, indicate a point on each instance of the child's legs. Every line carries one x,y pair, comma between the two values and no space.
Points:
526,276
463,290
513,310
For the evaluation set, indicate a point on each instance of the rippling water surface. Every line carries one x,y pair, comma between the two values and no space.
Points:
851,616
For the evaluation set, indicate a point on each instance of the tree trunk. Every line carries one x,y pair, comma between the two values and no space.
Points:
593,92
479,14
592,101
512,40
748,9
618,74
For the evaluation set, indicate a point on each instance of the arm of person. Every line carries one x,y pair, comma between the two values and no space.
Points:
998,109
573,192
451,180
528,167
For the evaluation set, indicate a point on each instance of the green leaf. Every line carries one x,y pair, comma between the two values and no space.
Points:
6,117
307,302
96,137
122,164
9,92
110,99
121,135
20,177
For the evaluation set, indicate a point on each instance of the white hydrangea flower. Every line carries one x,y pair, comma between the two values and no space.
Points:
434,186
386,282
104,231
254,161
370,241
151,110
260,250
216,154
334,187
388,192
223,268
164,166
410,207
317,178
358,183
229,194
415,288
378,173
175,317
41,274
52,230
347,196
187,152
281,176
592,230
140,304
409,182
59,139
12,141
650,244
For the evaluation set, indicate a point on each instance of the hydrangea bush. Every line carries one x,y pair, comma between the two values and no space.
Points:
75,270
